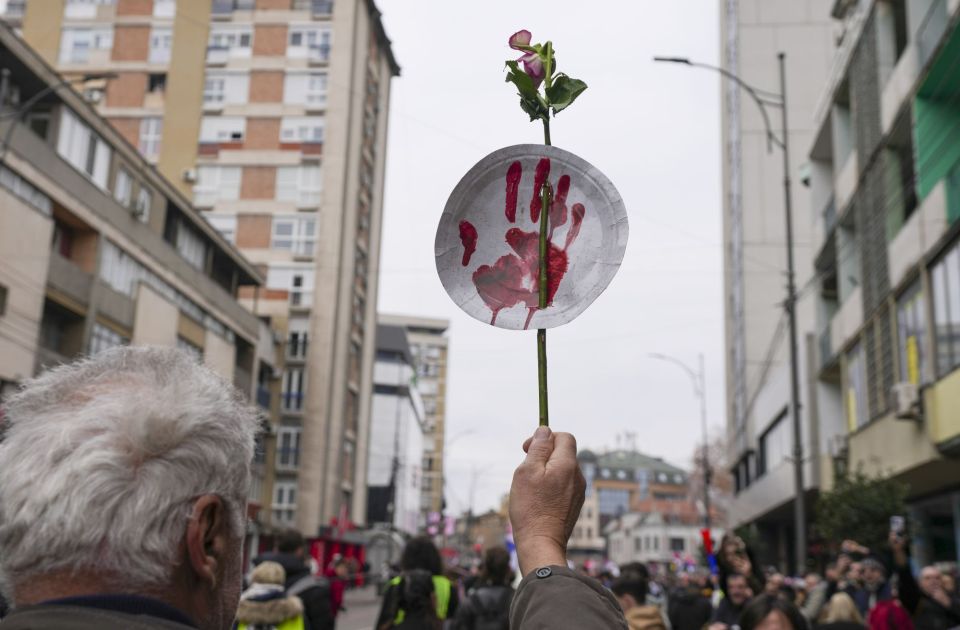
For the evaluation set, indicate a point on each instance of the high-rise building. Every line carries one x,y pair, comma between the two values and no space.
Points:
885,182
429,348
97,249
272,115
759,416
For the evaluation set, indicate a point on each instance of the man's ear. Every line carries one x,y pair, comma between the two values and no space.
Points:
207,538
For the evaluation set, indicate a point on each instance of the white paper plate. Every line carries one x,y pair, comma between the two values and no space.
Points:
488,263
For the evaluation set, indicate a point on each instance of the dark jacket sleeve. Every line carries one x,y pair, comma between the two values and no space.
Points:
556,597
388,610
317,608
454,604
908,589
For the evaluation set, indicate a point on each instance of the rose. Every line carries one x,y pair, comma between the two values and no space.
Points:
532,62
539,68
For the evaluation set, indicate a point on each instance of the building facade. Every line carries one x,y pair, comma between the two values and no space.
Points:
278,133
97,250
885,180
397,428
429,348
758,377
660,540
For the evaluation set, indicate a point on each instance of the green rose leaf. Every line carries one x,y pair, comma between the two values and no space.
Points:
522,80
564,92
535,108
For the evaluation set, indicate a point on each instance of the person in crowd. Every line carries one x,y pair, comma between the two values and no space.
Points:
949,581
727,614
930,606
313,590
337,573
123,494
417,598
265,604
840,613
774,583
689,608
631,591
420,554
545,500
736,557
487,604
875,587
769,612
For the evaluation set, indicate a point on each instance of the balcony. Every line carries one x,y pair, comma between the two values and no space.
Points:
292,401
318,54
321,8
263,397
829,216
225,8
69,279
217,55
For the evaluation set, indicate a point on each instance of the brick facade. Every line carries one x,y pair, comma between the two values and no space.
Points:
259,182
262,133
266,87
270,40
131,43
129,128
275,5
134,7
127,89
253,231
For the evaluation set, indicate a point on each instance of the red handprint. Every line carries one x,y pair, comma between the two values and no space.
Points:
515,278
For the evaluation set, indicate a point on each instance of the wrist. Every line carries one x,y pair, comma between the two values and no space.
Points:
539,552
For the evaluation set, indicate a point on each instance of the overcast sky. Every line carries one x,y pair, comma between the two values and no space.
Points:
654,130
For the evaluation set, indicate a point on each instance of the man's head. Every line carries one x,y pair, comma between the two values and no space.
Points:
127,473
874,574
931,579
737,589
290,541
421,553
630,588
774,582
855,572
496,565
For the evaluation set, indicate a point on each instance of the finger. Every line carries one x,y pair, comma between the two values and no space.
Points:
526,444
540,448
539,176
564,449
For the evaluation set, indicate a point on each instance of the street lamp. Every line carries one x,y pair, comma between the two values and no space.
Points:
763,99
699,388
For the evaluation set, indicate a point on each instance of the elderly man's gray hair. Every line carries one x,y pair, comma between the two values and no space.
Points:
101,459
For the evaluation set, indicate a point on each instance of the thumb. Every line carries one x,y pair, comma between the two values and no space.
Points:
541,447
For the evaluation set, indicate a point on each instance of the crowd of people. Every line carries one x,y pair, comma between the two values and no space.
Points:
122,505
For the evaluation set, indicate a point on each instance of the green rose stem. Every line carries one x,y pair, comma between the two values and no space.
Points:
546,192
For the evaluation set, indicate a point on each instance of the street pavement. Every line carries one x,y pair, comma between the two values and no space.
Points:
362,605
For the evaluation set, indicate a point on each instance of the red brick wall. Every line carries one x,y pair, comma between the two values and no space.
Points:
129,128
266,87
127,89
270,40
265,5
134,7
131,43
262,133
253,230
259,182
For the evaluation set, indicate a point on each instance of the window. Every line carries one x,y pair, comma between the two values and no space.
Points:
216,183
226,88
151,130
297,345
292,389
3,300
856,396
85,8
911,335
302,129
309,41
24,190
226,224
76,44
776,444
229,41
84,149
288,447
190,245
284,502
297,292
305,88
161,40
945,278
123,187
296,278
156,83
299,184
656,543
613,502
144,201
164,8
222,129
677,545
102,338
297,234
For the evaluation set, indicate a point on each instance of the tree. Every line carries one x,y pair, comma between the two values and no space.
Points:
859,507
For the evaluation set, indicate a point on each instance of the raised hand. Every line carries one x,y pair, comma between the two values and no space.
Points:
515,278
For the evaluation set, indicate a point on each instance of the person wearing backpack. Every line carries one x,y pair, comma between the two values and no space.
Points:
420,554
313,591
487,606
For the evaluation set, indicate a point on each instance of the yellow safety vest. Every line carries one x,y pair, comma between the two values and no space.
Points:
442,588
290,624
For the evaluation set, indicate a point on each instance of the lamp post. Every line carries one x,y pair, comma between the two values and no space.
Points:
763,99
699,388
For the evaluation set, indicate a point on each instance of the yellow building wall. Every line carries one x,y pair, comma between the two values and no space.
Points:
155,320
942,408
42,22
890,446
184,93
220,355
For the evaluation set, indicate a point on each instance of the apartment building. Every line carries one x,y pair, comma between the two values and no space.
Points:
97,249
429,349
619,482
272,115
885,183
397,436
658,539
759,421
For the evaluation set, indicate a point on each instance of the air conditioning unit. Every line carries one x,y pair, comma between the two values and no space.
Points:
190,175
838,445
906,401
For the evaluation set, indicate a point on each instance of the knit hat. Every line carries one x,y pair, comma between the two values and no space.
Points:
268,573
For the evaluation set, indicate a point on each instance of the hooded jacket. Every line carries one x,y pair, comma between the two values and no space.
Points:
317,602
645,617
266,604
